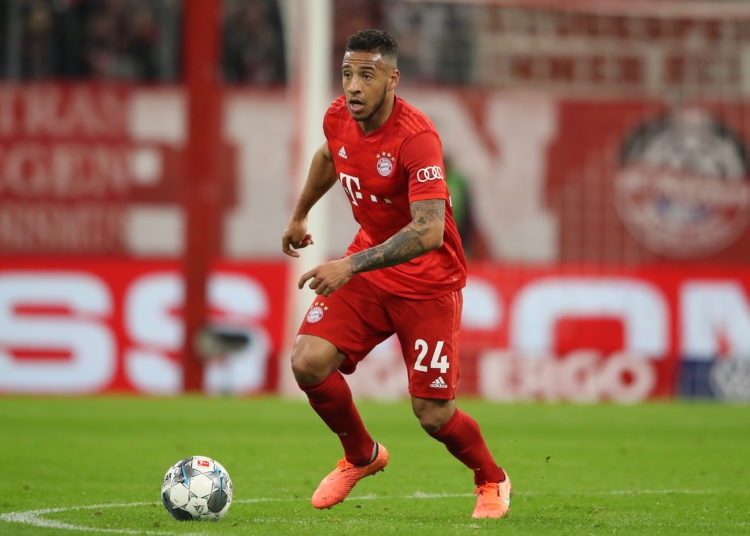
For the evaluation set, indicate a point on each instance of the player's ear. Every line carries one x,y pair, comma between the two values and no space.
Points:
393,82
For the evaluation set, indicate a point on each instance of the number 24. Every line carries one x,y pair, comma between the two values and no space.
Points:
438,361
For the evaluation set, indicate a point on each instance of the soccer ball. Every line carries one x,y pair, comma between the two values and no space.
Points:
197,488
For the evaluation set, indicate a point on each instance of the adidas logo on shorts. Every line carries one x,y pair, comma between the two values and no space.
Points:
439,383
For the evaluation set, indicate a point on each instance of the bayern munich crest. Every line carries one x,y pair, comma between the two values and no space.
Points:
683,184
385,164
315,314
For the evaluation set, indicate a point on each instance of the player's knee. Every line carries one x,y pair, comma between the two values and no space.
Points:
306,370
311,363
432,414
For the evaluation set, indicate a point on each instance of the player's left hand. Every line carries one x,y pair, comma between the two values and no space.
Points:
328,277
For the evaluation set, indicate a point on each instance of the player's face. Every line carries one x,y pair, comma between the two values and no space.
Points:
368,82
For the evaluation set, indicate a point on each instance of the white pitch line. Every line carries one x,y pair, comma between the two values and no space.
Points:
36,519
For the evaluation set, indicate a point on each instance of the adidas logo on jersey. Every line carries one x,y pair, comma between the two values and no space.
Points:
342,152
439,383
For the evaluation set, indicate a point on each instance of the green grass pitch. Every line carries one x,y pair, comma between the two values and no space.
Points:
94,466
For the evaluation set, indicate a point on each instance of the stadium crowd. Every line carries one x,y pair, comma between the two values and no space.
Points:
139,40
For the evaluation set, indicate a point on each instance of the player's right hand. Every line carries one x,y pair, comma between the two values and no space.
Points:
295,237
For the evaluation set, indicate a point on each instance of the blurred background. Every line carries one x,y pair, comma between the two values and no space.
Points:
596,152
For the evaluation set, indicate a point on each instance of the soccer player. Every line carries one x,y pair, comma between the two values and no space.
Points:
402,274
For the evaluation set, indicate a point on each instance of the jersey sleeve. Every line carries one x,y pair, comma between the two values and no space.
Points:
331,119
327,124
422,158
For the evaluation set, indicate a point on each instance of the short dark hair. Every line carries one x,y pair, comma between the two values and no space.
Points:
373,41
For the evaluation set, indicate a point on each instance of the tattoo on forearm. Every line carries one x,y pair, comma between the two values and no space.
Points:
407,243
401,247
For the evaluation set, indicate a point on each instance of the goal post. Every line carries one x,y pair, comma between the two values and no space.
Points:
201,194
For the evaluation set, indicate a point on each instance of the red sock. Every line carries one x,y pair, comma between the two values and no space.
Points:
332,401
463,439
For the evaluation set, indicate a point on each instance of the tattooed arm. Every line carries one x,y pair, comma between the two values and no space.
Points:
423,233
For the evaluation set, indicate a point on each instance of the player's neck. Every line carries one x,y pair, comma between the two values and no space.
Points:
371,124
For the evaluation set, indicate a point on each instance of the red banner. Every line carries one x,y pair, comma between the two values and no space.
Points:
640,182
580,333
91,325
82,165
571,333
90,169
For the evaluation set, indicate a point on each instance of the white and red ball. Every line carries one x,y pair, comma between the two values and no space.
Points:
196,489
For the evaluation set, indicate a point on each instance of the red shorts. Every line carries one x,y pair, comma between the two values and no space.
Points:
359,315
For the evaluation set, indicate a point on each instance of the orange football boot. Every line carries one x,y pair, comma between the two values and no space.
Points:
335,487
493,499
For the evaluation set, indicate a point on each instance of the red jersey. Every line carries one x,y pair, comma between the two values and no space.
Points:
384,171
